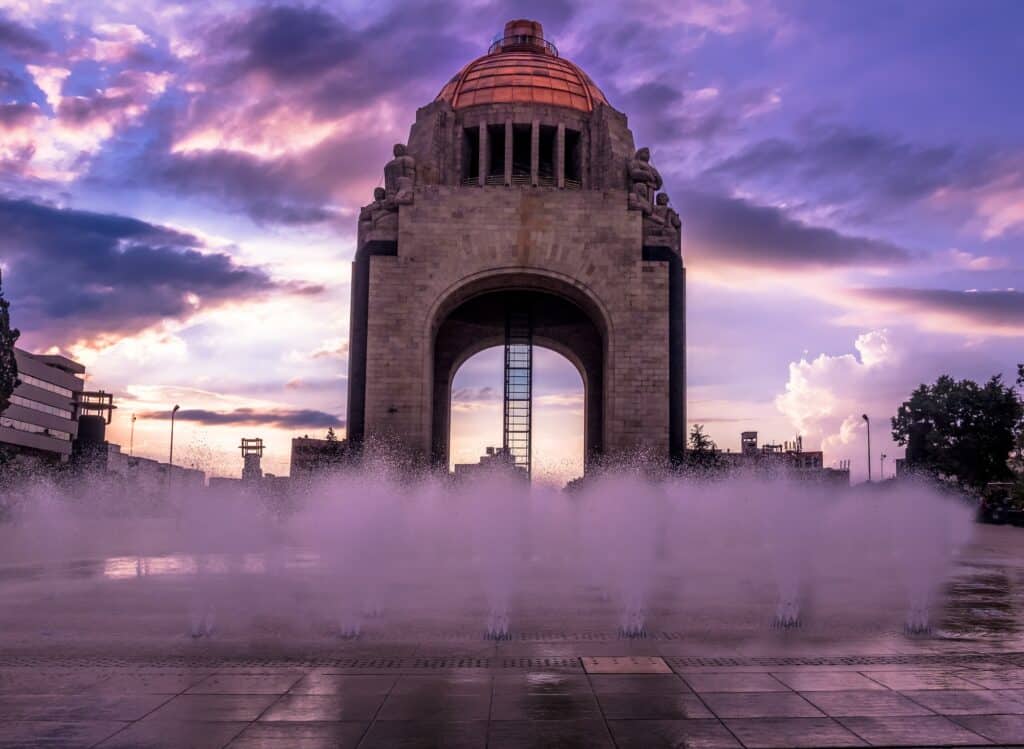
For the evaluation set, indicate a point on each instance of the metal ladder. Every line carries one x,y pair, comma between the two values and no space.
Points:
518,417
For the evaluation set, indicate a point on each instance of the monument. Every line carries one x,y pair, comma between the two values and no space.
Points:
520,214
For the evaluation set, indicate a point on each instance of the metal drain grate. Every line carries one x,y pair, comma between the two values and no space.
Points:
843,660
426,663
364,664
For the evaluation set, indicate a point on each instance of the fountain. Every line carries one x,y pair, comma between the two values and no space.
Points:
401,557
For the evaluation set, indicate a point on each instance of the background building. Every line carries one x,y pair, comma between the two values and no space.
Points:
41,423
311,456
788,459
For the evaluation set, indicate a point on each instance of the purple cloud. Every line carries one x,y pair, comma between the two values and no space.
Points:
77,274
720,230
284,418
998,309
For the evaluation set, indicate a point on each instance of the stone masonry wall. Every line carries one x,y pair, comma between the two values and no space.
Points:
451,235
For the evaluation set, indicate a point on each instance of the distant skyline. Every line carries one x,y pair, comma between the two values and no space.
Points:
179,187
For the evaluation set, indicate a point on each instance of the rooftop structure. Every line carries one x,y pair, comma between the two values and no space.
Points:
522,66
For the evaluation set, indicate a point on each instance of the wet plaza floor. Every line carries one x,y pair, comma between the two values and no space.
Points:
114,671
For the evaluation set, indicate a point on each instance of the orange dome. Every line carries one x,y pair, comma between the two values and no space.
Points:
522,67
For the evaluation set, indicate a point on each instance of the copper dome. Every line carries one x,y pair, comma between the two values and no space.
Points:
522,67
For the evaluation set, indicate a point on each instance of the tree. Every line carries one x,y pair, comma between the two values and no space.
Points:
1017,461
703,453
331,436
960,431
8,364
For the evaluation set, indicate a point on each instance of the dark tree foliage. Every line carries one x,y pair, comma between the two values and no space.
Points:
961,431
702,456
8,365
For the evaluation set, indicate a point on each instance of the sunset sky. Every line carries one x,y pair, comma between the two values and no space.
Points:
179,186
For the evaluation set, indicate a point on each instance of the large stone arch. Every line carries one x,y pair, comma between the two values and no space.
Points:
566,319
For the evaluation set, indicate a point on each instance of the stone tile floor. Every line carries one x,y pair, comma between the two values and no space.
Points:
306,707
106,664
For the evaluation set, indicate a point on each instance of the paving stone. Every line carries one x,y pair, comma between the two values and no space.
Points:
543,734
1011,678
865,703
642,684
970,701
917,680
932,730
309,735
653,706
246,684
425,735
174,735
625,664
760,705
65,707
1002,729
769,733
437,707
455,684
671,734
302,730
570,706
319,707
214,707
55,734
734,682
825,681
543,682
148,682
320,683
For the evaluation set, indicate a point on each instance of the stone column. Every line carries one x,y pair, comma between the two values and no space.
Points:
508,152
535,153
560,156
484,166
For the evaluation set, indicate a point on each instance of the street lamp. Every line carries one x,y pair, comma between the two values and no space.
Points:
170,458
868,422
131,440
881,461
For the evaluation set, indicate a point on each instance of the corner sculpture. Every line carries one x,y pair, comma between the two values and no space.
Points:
400,176
646,180
663,227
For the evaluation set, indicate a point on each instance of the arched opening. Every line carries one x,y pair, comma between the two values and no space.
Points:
473,319
558,412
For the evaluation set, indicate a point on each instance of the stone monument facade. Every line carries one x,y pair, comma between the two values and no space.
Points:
520,187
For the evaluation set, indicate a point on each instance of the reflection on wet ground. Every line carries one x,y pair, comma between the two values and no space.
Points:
94,653
983,600
288,596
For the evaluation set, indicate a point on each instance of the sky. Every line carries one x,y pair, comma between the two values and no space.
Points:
180,182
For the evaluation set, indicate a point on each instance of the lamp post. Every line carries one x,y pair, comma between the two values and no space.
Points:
868,422
131,440
170,458
881,468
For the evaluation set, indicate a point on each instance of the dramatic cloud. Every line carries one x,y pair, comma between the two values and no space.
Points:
472,398
20,40
76,274
865,173
846,159
16,116
720,230
283,418
293,115
991,312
